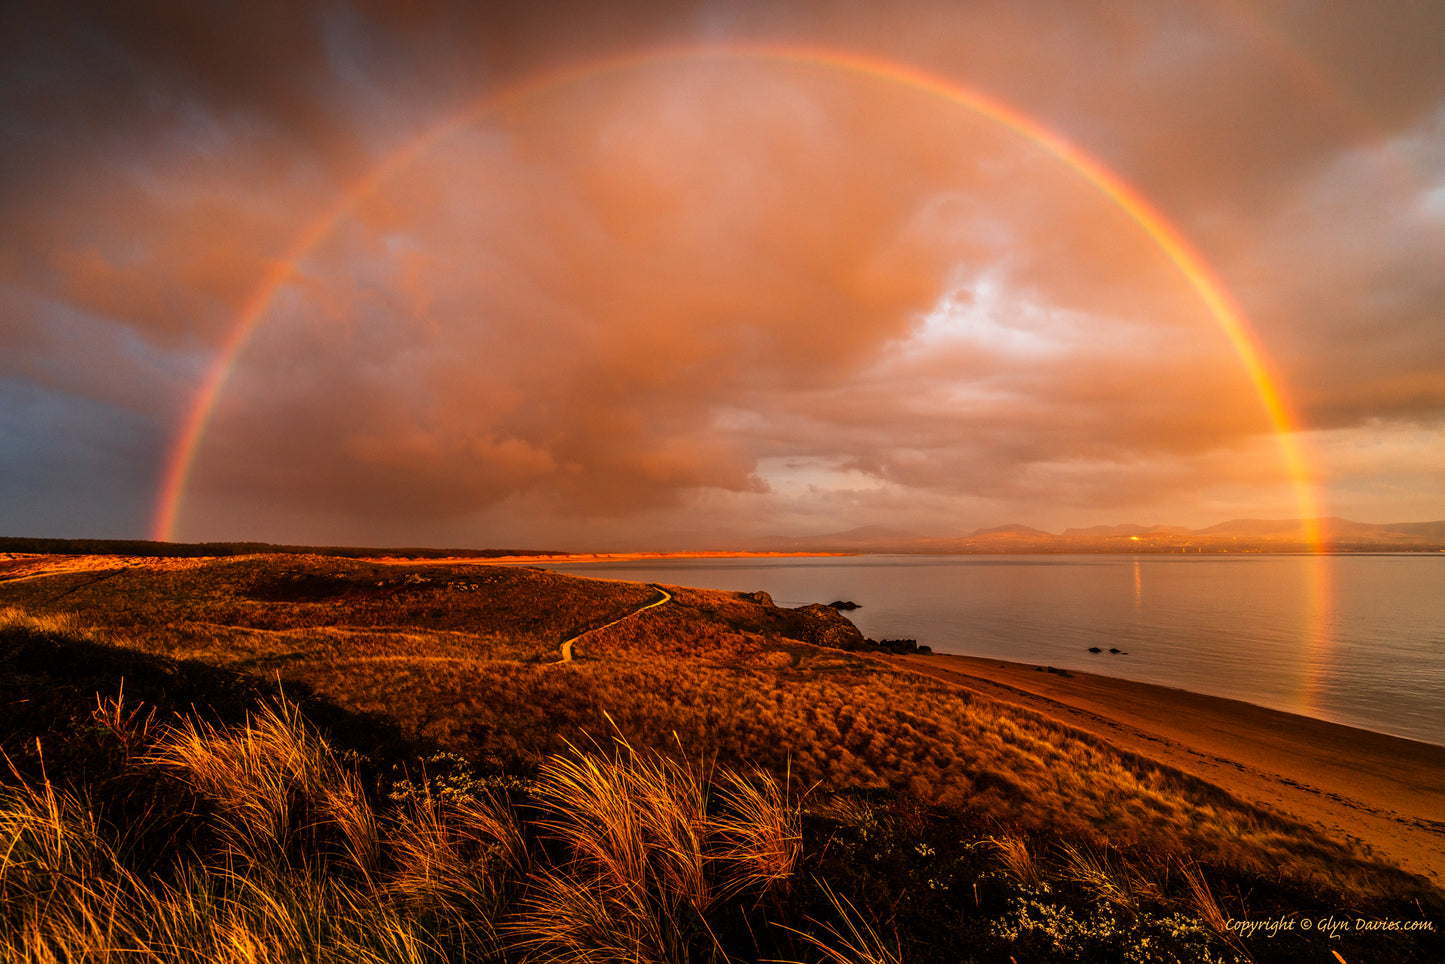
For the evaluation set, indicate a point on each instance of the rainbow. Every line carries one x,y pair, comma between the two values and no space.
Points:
1212,293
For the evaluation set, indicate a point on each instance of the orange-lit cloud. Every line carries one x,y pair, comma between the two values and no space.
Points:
719,296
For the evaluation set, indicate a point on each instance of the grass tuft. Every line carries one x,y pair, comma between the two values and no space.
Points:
1106,877
850,941
758,832
623,857
646,860
1013,852
454,864
276,786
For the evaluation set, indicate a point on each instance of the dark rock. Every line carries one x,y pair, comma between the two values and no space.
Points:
849,605
1095,649
1117,652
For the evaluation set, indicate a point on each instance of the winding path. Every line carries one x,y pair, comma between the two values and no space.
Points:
567,646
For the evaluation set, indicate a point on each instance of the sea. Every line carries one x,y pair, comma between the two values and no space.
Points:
1353,639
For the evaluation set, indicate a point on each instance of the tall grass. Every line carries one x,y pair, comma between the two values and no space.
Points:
1013,853
61,882
282,853
648,857
276,787
613,857
1107,877
267,915
456,863
757,831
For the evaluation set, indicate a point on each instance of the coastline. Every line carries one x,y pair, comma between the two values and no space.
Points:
1385,792
571,558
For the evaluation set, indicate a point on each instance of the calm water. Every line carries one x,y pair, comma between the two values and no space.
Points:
1353,639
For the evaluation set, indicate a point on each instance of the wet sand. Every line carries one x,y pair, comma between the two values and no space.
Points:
1384,792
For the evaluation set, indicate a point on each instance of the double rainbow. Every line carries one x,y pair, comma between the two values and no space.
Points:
1212,293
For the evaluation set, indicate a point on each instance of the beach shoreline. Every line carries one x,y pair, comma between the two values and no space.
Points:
1384,792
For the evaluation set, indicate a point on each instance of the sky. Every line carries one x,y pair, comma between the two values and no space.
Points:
680,275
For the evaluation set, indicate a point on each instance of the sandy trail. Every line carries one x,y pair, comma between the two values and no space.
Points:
1382,791
567,646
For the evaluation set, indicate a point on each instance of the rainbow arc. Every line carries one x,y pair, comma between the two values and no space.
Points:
1221,307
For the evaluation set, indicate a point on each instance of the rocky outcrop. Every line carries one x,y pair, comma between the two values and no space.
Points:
822,625
900,646
825,626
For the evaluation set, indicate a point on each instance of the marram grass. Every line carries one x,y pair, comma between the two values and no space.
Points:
617,857
651,856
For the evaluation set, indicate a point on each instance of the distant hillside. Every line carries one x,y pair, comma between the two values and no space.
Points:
1103,532
1012,529
1237,535
148,548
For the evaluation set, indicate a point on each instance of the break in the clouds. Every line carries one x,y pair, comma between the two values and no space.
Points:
695,298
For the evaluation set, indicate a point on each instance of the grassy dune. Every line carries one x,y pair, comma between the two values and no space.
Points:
702,782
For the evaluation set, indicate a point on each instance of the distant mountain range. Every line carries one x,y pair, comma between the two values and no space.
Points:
1238,535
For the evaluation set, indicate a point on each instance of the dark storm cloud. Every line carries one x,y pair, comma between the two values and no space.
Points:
154,155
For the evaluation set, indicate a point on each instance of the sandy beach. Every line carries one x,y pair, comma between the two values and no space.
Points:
1384,792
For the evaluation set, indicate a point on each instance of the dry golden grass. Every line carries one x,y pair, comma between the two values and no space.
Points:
638,853
1013,853
649,858
1108,877
239,608
841,728
462,655
620,857
273,783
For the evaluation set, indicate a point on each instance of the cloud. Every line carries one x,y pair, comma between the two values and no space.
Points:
598,293
575,318
1343,281
641,296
